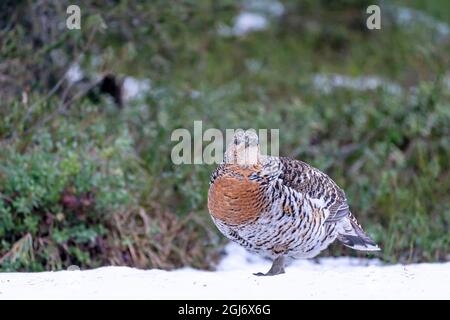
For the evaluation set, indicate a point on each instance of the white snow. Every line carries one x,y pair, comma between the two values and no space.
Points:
135,88
74,73
326,83
329,278
245,22
248,21
254,16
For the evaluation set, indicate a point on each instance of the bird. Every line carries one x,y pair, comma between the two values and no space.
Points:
278,207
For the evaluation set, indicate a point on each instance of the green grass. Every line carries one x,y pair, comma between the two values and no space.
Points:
94,184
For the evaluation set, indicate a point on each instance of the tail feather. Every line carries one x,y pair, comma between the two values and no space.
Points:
353,236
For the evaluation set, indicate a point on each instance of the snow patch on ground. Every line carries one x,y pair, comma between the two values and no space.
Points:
74,73
247,22
237,258
135,88
330,278
327,83
255,16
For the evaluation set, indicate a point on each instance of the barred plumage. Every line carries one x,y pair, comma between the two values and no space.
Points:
279,207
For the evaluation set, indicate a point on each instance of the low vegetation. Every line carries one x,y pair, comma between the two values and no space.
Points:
86,178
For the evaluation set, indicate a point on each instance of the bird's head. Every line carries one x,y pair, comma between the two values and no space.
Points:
243,149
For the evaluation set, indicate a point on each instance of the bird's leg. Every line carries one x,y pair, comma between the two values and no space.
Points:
277,267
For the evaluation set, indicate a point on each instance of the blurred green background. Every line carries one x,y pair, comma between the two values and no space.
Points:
86,176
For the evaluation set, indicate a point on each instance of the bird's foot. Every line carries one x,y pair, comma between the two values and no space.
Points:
277,268
269,273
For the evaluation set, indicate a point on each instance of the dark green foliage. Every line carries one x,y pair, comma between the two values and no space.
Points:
62,191
85,182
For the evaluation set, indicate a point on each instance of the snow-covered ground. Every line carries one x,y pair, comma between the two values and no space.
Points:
327,278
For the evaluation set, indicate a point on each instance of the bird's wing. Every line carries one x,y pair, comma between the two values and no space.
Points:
315,184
